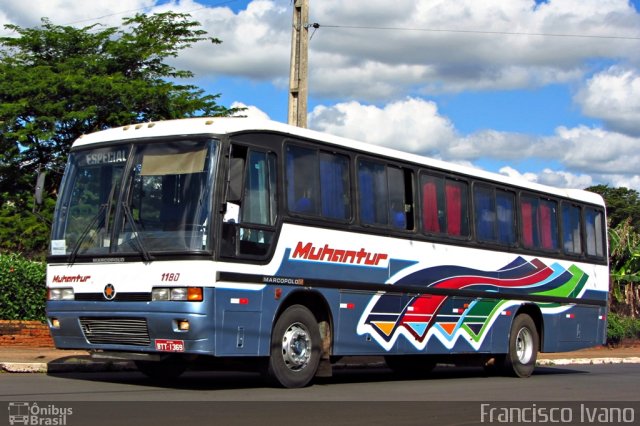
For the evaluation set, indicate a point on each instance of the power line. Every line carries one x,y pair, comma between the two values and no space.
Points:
443,30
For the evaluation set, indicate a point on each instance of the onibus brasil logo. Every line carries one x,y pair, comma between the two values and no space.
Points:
30,413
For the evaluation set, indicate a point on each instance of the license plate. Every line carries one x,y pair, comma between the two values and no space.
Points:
166,345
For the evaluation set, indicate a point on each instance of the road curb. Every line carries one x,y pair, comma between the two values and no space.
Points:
590,361
66,367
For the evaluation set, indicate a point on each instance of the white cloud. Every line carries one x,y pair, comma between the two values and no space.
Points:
490,143
460,57
515,174
614,97
596,150
588,155
411,124
557,178
255,41
374,76
564,179
27,13
427,50
626,181
250,111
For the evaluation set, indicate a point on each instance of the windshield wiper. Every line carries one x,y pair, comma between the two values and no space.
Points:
85,232
139,239
106,207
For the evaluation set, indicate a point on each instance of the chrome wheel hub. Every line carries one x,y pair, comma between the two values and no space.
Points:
524,345
296,347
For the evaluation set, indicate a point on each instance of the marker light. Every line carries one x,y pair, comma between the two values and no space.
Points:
55,323
60,294
194,294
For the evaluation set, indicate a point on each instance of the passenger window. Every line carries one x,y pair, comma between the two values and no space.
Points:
384,194
539,226
485,213
594,221
444,206
302,180
494,215
318,183
334,186
571,236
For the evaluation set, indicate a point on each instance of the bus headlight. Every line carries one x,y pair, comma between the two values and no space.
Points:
179,293
191,294
60,294
160,294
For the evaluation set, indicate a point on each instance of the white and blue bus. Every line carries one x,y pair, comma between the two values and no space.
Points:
238,239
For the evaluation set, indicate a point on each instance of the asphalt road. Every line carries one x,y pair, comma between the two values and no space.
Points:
353,396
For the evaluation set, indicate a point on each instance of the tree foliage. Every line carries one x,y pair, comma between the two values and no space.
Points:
623,205
624,264
59,82
22,288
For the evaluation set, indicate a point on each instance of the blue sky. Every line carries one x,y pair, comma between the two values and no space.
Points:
461,80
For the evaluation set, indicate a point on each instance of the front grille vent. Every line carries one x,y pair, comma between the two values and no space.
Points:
120,297
116,331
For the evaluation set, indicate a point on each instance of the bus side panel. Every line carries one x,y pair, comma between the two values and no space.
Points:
352,304
240,331
577,328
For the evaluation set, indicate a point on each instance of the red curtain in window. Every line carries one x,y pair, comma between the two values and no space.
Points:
544,225
430,221
527,223
454,208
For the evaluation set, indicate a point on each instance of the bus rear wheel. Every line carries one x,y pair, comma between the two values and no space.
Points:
523,347
295,348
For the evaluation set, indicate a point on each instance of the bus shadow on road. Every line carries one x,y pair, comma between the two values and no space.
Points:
233,380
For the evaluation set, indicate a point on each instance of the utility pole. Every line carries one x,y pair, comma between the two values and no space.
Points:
298,77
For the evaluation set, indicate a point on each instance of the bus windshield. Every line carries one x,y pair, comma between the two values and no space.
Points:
136,199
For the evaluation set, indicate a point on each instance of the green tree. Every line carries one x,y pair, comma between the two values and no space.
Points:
59,82
623,205
624,263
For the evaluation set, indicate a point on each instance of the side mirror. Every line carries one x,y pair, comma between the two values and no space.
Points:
39,194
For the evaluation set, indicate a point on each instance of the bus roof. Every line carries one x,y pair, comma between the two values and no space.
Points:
231,125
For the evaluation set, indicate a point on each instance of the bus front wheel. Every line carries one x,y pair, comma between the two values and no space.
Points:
295,348
523,347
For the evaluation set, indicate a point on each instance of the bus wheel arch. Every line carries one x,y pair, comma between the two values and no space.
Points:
305,317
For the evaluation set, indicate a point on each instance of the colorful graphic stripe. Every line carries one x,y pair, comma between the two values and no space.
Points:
450,318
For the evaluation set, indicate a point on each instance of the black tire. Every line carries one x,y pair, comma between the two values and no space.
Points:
523,347
410,365
295,348
165,370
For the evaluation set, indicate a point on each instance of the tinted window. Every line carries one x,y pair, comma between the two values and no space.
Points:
539,226
318,183
594,221
303,195
494,215
444,206
571,236
384,195
334,186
